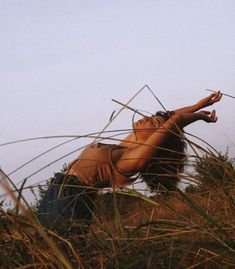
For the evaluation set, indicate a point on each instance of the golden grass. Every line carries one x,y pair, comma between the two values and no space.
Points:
128,232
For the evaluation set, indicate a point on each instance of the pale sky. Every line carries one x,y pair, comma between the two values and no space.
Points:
63,61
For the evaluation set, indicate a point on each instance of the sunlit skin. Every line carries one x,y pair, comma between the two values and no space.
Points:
151,132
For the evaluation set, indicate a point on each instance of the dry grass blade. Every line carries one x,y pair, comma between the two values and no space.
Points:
228,95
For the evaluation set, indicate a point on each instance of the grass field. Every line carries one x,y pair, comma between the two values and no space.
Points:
182,229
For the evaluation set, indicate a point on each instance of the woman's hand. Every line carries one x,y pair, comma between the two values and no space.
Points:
208,116
185,119
210,100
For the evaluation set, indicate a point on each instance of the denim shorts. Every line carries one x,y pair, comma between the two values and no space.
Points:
67,199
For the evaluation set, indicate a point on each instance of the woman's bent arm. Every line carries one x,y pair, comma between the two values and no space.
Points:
135,159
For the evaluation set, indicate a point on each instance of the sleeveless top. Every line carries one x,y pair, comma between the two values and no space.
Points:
95,166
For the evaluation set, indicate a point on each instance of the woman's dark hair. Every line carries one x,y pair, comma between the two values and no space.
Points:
164,168
165,114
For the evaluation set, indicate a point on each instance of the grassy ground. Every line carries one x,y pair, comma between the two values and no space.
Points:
194,229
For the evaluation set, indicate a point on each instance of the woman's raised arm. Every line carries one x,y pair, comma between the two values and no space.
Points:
205,102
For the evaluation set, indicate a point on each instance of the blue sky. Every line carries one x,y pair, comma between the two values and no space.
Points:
63,61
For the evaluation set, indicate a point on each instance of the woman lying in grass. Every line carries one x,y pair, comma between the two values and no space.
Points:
71,194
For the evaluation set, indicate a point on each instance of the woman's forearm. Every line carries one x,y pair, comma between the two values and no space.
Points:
188,109
188,118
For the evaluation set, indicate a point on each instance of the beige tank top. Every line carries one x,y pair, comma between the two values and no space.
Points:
95,165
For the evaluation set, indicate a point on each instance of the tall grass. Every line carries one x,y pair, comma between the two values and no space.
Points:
192,229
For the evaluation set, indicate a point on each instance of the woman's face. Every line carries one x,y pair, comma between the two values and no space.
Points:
148,125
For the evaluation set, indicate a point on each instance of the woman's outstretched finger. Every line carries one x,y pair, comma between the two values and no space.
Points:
213,115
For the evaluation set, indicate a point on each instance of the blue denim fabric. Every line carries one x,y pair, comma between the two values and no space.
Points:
67,199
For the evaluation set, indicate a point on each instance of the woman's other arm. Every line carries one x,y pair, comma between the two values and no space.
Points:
135,159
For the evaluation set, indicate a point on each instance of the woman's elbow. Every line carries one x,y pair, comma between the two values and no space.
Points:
176,120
